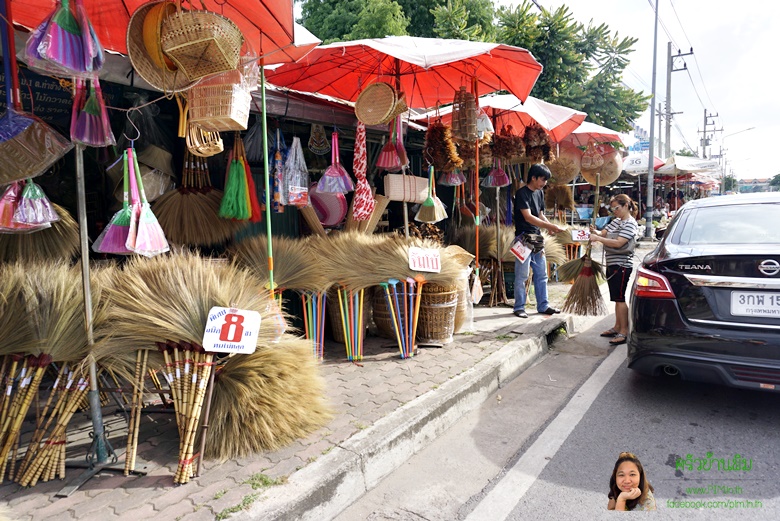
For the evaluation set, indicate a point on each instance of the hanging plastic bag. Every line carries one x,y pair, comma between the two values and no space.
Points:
34,207
9,202
296,175
253,142
335,179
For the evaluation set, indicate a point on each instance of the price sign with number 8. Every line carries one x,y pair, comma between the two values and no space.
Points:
231,330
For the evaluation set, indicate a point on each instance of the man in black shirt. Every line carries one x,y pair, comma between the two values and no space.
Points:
529,218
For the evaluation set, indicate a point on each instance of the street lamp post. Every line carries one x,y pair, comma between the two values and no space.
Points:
722,161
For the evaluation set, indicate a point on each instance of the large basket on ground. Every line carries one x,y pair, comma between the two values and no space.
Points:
220,103
382,317
438,306
201,43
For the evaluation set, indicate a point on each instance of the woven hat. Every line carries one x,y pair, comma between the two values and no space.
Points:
331,208
145,53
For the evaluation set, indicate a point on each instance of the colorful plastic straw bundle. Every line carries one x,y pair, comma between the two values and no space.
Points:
314,320
351,305
404,306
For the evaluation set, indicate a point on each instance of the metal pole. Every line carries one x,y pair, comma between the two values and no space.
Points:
649,206
668,147
99,445
267,177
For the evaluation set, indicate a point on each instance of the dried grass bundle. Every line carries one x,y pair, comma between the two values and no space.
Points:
584,297
466,238
440,148
537,144
169,297
13,332
559,196
294,262
58,242
266,400
553,250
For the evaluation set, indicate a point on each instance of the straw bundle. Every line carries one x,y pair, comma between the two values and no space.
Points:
294,262
553,250
559,196
58,242
466,238
584,297
51,299
190,214
265,400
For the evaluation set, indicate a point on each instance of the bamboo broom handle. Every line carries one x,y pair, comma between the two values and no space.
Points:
379,208
131,424
186,467
16,398
310,216
15,425
144,361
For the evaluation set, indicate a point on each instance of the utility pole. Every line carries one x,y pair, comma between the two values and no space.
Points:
705,140
669,70
649,191
660,143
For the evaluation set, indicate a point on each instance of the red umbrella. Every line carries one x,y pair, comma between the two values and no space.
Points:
506,109
588,132
267,24
427,70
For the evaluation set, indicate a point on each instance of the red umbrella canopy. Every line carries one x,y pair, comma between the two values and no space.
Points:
506,109
110,18
429,70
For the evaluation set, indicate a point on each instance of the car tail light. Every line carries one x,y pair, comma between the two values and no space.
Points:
650,284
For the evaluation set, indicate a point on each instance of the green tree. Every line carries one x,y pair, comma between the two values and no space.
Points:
418,12
582,65
730,183
687,152
379,18
775,181
452,21
331,20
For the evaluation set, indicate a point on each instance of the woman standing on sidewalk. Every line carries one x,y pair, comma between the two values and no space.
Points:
619,240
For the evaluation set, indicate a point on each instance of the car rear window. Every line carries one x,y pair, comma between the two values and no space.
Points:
733,224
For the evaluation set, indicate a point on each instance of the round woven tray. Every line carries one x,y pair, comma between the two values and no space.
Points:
437,313
375,104
160,78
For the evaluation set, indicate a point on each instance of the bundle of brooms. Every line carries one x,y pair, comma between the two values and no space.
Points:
584,297
190,214
164,303
60,241
50,297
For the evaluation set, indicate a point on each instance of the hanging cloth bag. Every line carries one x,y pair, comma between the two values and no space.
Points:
296,175
363,204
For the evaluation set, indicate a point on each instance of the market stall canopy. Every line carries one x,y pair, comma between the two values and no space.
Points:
267,24
507,109
588,132
429,70
685,164
636,163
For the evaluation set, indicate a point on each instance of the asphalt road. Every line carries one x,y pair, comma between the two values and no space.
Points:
543,447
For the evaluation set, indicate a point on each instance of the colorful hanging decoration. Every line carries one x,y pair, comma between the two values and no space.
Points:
9,203
497,177
335,179
454,178
89,119
239,200
145,235
318,140
279,197
363,203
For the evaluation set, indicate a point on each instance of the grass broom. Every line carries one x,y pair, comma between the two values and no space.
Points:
584,297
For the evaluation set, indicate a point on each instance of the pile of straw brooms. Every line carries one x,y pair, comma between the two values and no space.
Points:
149,319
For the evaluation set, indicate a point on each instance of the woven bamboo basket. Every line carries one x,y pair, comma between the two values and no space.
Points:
220,103
437,313
381,314
334,315
408,188
376,103
461,310
201,43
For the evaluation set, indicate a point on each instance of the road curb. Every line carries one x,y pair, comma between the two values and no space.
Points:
326,487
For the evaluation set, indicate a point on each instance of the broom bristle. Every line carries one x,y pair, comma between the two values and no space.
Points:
292,404
584,297
427,212
60,241
150,239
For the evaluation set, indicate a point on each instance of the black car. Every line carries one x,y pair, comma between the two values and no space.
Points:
705,304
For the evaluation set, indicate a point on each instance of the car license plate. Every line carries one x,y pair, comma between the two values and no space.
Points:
755,304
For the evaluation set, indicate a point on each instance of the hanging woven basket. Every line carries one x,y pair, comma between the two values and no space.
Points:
201,43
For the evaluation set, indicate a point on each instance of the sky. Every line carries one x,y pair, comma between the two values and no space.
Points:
733,72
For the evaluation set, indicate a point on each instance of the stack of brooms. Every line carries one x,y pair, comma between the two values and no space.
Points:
164,304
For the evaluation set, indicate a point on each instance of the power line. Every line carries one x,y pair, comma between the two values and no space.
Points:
663,25
681,25
694,88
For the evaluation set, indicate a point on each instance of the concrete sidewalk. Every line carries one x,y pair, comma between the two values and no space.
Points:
385,410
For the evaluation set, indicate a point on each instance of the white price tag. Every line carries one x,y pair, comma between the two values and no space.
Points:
231,330
423,259
520,250
580,235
